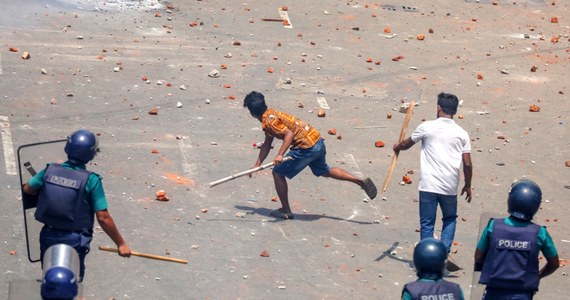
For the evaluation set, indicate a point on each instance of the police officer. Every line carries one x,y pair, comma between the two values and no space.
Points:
507,253
69,197
430,258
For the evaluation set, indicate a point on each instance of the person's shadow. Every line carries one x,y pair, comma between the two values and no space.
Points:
409,263
266,212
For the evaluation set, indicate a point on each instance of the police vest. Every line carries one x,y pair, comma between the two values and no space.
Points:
512,259
62,201
436,290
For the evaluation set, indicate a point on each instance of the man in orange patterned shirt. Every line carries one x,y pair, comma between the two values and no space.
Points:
305,145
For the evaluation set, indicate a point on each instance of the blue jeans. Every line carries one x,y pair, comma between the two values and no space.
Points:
314,157
80,241
428,211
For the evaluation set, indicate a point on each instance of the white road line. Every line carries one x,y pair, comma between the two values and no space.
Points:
9,158
352,162
323,103
0,63
187,167
285,17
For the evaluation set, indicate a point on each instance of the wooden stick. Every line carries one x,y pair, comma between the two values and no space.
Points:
402,136
272,20
146,255
250,171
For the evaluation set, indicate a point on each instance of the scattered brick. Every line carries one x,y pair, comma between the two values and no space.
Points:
534,108
264,253
379,144
321,113
332,131
407,179
161,195
153,111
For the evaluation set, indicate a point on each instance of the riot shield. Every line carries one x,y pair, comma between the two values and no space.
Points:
476,288
33,158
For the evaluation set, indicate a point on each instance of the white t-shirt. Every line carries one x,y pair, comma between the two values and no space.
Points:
443,145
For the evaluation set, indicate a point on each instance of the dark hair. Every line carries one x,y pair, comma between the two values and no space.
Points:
255,102
448,103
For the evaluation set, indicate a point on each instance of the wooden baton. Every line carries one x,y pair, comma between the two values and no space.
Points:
402,136
146,255
250,171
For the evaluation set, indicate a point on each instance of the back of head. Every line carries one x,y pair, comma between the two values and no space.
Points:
524,199
255,102
448,103
81,146
430,256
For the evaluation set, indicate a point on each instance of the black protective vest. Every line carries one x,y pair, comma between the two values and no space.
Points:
63,202
438,290
512,259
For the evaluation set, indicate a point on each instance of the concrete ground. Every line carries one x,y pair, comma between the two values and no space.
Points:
104,65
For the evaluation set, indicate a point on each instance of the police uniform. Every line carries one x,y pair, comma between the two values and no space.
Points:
68,198
426,289
511,266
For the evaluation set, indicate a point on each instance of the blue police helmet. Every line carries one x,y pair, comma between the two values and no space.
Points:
59,283
82,146
430,256
524,199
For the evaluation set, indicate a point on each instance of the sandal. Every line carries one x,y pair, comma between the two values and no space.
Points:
278,213
370,188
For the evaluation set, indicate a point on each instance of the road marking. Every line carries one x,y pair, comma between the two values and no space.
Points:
0,63
352,162
285,17
9,158
187,167
323,103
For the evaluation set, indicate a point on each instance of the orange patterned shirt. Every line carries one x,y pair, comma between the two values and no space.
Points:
275,122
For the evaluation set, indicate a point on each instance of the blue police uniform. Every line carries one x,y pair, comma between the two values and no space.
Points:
432,290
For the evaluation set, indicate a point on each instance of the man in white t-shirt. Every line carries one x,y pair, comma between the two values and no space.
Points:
445,146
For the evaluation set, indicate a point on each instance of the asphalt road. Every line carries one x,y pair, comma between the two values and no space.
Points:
105,65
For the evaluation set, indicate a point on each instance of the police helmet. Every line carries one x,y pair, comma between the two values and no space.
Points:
524,199
59,283
430,257
82,146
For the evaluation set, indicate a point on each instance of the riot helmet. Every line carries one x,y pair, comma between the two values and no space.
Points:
59,283
524,199
430,257
82,146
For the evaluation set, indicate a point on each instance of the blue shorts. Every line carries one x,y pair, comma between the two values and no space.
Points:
313,157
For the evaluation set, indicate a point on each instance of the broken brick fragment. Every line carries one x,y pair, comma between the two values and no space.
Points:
379,144
161,195
387,30
274,199
154,151
264,253
554,20
534,108
533,68
397,58
153,111
26,55
407,179
479,77
332,131
567,163
13,49
270,70
420,37
236,43
321,113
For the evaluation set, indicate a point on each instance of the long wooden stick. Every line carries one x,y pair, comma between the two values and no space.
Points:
250,171
146,255
402,136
